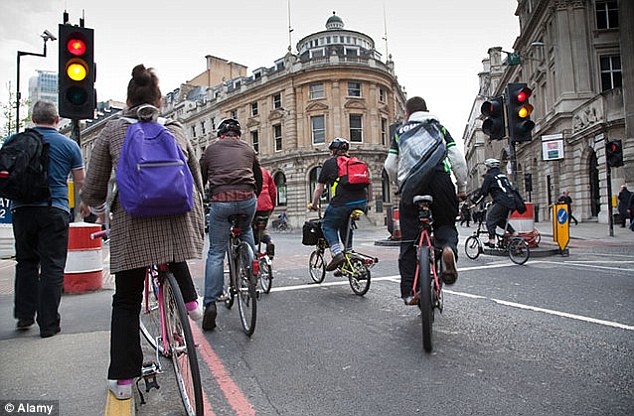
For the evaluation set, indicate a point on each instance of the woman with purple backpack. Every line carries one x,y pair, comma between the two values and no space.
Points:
137,242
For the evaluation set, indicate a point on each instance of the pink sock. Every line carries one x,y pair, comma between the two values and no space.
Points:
191,306
124,382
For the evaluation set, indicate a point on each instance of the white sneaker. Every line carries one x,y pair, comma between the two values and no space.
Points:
197,314
120,391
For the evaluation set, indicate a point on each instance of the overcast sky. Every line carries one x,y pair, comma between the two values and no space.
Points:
437,45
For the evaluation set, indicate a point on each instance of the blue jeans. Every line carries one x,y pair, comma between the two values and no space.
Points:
219,226
335,225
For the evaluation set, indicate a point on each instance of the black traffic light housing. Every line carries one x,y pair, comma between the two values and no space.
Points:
494,125
528,182
76,95
518,112
614,153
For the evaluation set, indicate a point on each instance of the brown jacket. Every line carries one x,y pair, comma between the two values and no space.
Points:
140,242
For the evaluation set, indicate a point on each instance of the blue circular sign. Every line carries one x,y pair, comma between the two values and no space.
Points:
562,216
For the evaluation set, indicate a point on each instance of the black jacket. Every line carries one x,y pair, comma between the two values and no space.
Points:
498,185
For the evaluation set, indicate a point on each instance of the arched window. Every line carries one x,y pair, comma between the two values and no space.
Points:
280,184
312,183
385,186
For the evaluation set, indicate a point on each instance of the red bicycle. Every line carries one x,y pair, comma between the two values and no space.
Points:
428,270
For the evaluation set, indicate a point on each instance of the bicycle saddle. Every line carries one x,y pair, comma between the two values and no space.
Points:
423,198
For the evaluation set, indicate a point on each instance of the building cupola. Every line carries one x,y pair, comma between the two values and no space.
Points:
334,22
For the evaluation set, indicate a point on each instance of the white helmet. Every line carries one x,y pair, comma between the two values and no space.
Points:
492,163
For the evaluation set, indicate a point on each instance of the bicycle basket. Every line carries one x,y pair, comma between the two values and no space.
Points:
311,232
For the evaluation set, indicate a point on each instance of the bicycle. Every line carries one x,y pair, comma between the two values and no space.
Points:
281,223
164,323
515,247
429,268
356,266
243,276
265,271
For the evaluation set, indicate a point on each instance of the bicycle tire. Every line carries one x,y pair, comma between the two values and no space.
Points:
426,294
182,348
472,247
150,316
360,281
265,276
518,249
317,266
246,289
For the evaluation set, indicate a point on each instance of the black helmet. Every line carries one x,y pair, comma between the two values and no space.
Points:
227,125
339,144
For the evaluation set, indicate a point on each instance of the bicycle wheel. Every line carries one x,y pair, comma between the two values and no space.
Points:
426,296
182,348
150,317
316,266
472,247
360,282
229,293
246,289
518,250
266,275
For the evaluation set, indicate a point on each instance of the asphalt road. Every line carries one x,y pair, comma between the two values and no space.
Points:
552,337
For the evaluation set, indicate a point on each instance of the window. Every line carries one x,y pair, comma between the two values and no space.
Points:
611,76
356,128
313,176
383,131
352,51
257,75
354,89
381,95
317,53
193,131
202,127
213,123
316,91
607,14
277,101
277,137
279,66
318,128
255,140
254,108
280,183
385,187
234,114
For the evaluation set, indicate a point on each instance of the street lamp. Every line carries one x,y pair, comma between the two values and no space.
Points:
46,36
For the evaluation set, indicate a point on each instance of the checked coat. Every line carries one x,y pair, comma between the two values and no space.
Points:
139,242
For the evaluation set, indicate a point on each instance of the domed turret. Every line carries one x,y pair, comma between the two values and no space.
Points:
334,22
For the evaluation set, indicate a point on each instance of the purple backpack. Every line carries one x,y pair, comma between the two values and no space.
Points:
153,178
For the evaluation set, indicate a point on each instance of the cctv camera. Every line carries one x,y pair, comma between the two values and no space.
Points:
48,35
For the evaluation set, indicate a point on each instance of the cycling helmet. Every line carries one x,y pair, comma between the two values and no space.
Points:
492,163
339,144
229,125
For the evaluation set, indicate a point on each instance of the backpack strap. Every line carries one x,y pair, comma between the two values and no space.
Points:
160,120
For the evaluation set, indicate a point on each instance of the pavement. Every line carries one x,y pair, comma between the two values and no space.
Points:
69,369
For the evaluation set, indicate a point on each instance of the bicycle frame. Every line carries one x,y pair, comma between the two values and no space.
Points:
425,241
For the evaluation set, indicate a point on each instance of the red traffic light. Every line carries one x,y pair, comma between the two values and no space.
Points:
612,147
76,47
524,94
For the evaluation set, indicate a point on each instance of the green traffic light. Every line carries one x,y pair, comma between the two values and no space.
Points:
76,95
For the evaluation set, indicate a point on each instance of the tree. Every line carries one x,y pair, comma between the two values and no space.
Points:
7,114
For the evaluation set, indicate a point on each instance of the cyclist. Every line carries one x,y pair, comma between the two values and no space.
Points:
137,242
420,128
497,184
235,180
266,203
342,202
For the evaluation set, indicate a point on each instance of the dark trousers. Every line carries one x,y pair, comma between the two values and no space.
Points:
126,357
444,211
41,245
496,217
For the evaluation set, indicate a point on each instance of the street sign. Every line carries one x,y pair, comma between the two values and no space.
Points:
561,229
5,213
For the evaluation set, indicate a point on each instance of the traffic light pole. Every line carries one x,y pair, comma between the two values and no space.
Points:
75,134
609,180
513,161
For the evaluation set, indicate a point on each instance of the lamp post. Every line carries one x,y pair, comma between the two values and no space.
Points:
46,36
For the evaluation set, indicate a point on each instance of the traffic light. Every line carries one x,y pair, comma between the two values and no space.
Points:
519,111
614,153
493,125
76,95
528,182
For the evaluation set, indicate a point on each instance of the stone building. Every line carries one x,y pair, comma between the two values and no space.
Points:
336,86
576,56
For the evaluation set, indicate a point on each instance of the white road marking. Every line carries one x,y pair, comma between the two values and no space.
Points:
396,279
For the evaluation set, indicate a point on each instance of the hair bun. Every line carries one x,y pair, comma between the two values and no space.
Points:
141,75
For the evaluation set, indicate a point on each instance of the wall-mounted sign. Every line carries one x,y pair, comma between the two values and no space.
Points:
553,147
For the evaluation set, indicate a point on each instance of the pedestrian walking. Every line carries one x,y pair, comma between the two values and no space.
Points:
41,229
623,205
566,199
137,242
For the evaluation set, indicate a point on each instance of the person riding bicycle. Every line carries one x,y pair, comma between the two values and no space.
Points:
343,201
235,180
266,203
419,129
498,185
